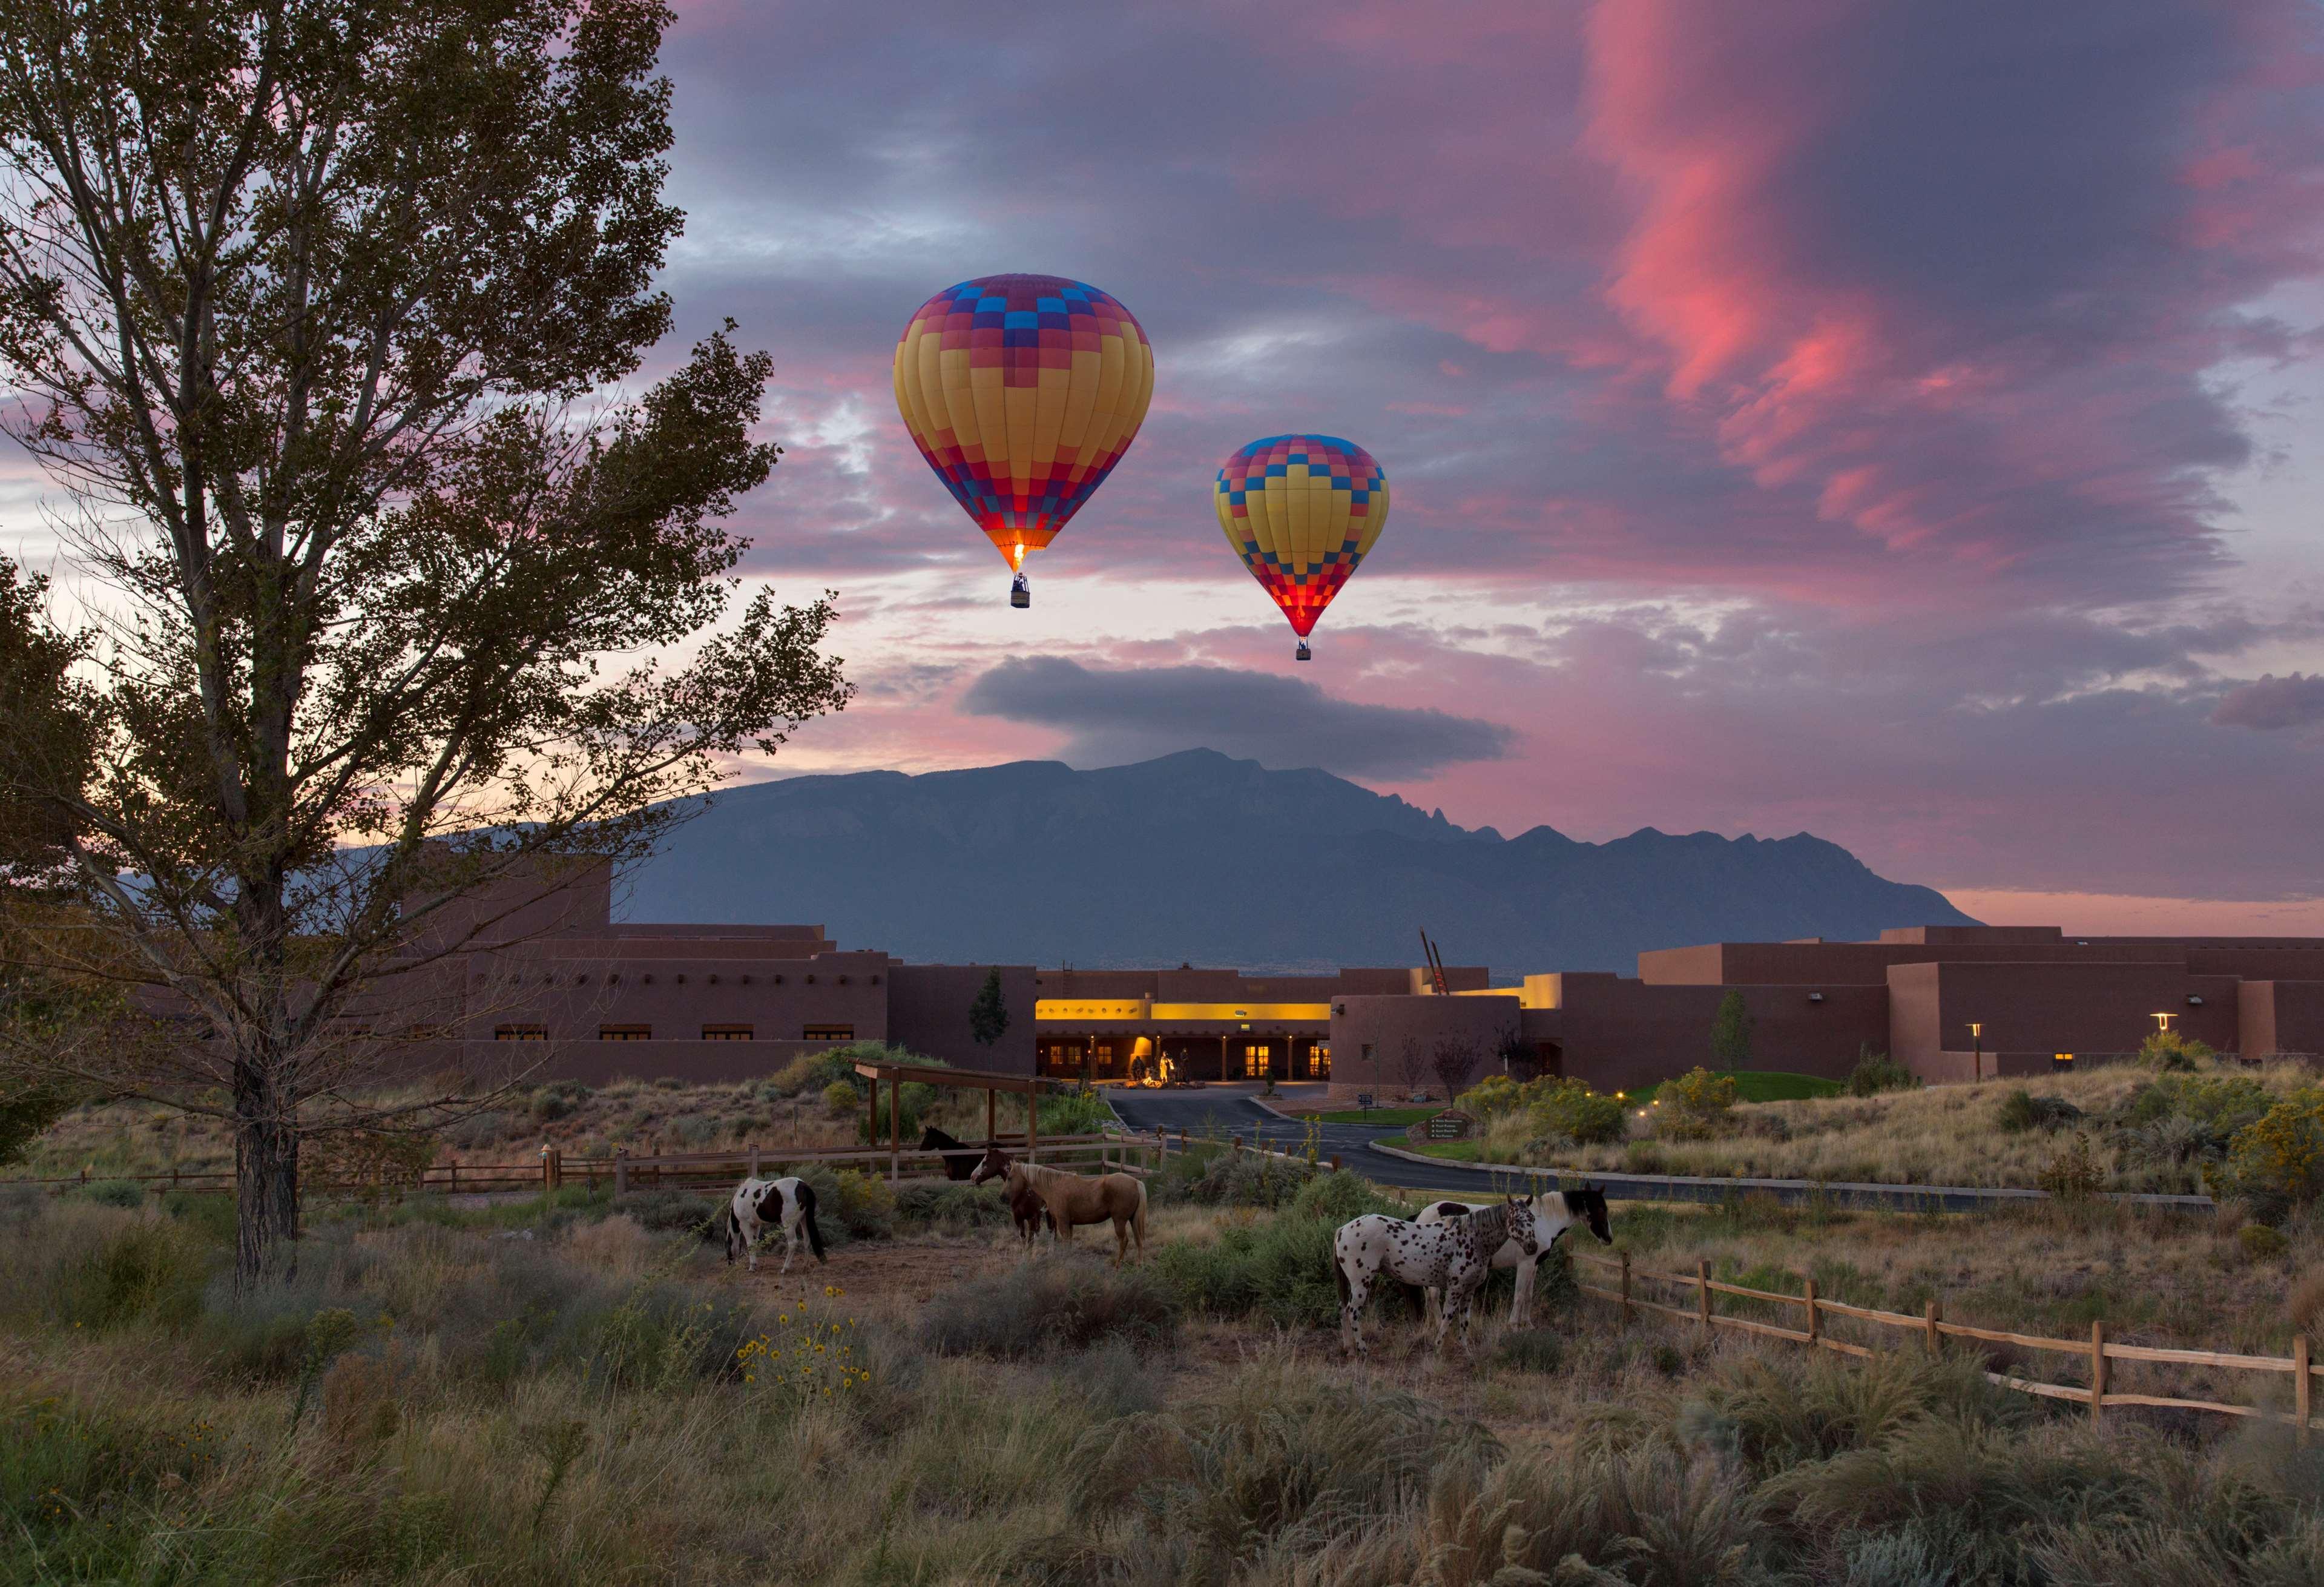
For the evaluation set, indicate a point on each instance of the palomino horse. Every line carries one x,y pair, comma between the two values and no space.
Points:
1071,1198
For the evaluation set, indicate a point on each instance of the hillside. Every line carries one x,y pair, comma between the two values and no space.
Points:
1201,858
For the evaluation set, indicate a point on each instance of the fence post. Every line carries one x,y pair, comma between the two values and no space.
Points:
1335,1162
1626,1286
2098,1368
1702,1294
2300,1384
1812,1314
1936,1339
620,1176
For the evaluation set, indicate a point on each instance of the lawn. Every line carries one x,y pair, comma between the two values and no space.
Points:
1394,1117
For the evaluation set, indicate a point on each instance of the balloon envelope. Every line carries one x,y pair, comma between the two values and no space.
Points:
1023,392
1302,511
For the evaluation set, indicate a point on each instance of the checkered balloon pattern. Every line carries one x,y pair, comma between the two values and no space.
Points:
1303,512
1023,392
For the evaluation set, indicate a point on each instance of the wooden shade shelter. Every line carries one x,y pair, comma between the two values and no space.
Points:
990,1082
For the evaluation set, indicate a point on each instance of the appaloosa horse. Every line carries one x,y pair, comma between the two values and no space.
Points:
1452,1256
1553,1215
1071,1198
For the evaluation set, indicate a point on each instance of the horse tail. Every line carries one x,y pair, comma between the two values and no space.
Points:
1138,1221
734,1228
1340,1273
806,1213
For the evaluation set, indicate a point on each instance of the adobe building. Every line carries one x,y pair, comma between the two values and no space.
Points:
548,963
2038,998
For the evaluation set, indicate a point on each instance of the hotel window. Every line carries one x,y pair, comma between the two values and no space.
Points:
1319,1061
624,1033
1256,1056
519,1033
731,1033
828,1033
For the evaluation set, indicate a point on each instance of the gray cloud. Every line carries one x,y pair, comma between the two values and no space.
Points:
2269,703
1116,717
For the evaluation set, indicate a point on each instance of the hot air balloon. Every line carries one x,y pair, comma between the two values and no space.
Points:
1303,512
1023,392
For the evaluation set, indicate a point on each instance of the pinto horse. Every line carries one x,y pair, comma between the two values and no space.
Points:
959,1161
760,1205
1553,1215
1070,1198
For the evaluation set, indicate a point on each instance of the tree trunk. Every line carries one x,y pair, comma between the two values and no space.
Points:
266,1175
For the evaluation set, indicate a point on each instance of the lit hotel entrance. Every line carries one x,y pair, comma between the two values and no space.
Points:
1111,1038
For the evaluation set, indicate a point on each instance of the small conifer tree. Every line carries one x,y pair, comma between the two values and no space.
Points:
988,1016
1731,1032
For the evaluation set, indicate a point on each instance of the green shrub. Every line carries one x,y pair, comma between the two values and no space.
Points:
477,1130
1219,1177
1877,1071
1571,1109
674,1212
840,1097
865,1205
2021,1110
2277,1159
2171,1051
1075,1112
2074,1174
2262,1242
136,1272
126,1194
1694,1106
1054,1304
2220,1103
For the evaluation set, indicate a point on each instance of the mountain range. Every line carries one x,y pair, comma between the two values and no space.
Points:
1198,858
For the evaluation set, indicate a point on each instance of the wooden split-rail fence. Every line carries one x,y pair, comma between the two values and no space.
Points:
2098,1353
1104,1153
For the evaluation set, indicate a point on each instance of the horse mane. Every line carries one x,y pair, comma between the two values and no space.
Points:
1491,1226
931,1135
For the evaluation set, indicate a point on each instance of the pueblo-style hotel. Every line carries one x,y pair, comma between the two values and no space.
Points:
725,1003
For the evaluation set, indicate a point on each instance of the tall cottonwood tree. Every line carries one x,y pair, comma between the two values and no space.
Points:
310,307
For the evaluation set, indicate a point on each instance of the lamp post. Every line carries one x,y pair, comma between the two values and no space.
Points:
1977,1050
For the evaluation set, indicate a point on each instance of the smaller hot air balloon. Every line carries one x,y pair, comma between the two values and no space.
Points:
1303,512
1022,391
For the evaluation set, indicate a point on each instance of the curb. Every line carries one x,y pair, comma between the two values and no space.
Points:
1905,1197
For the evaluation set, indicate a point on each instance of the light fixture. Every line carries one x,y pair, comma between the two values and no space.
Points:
1815,997
2163,1023
2194,1000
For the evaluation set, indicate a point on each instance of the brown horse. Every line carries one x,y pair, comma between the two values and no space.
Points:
1071,1198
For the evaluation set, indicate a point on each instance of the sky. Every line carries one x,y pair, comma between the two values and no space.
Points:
1897,421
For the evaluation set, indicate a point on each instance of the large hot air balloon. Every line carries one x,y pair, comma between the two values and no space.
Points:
1303,512
1023,392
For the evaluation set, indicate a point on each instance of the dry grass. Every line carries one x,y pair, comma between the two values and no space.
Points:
1943,1135
126,1139
561,1407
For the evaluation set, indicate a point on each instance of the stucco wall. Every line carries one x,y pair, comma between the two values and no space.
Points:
1383,1024
1618,1033
2033,1010
928,1011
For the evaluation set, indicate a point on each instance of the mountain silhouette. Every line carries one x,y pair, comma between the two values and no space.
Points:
1198,858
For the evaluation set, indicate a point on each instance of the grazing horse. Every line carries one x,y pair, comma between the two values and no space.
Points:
959,1161
1071,1198
1553,1215
1452,1256
760,1205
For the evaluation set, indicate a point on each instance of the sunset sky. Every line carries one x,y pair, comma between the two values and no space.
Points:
1897,421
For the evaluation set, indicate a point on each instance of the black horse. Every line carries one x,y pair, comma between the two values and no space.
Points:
960,1161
